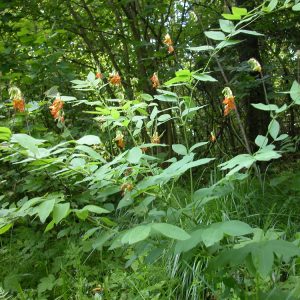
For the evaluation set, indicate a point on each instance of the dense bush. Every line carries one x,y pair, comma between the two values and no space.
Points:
118,186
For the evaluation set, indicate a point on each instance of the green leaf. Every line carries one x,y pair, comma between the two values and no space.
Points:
99,242
166,98
170,231
239,11
134,155
203,77
5,133
192,242
47,283
179,149
91,77
272,5
91,152
265,107
89,233
49,226
26,141
45,209
77,162
215,35
231,17
183,73
263,260
190,110
60,211
95,209
250,32
213,233
115,114
295,92
146,97
296,7
261,141
261,253
198,145
236,228
136,234
182,79
237,163
89,140
82,214
5,228
266,155
164,118
274,128
227,43
201,48
226,26
281,137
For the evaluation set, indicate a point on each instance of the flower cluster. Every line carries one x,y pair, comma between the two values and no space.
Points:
155,139
19,105
56,109
168,41
17,99
99,75
228,101
126,187
119,139
155,81
115,78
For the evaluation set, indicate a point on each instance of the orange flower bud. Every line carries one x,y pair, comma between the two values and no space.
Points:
56,107
99,75
228,101
119,139
19,105
170,49
115,78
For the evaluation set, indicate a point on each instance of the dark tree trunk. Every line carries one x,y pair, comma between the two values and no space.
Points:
256,120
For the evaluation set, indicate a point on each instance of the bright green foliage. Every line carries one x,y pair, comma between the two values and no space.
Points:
132,171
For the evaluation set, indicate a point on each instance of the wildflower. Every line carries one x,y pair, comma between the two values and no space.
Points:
126,187
115,78
155,139
120,140
170,49
19,105
18,101
99,75
212,137
228,101
55,109
168,41
155,81
254,65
